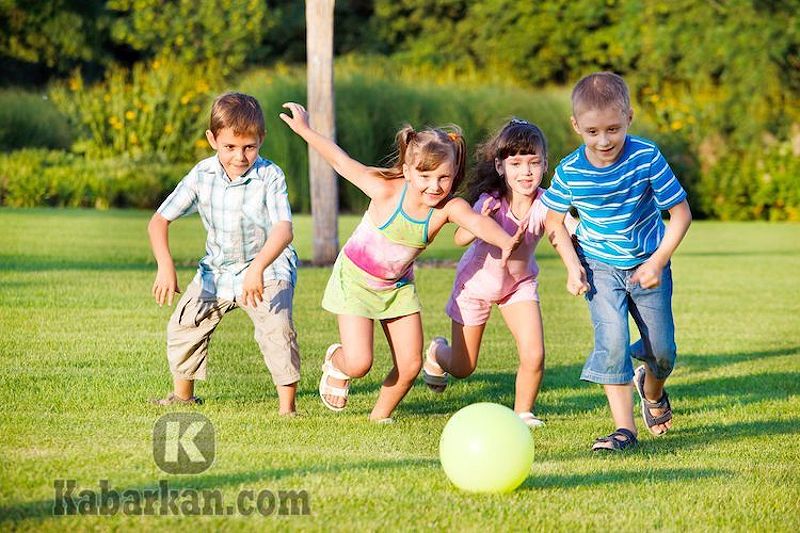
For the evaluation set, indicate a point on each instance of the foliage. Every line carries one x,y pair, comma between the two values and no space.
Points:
160,107
31,120
370,110
191,32
760,184
31,178
56,33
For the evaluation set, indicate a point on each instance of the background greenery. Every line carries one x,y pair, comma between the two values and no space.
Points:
82,349
716,84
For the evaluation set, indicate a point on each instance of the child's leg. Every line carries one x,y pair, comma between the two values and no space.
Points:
620,400
286,397
461,359
183,388
524,320
275,334
195,318
652,311
404,335
354,358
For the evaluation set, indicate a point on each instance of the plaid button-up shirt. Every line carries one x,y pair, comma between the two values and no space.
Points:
238,215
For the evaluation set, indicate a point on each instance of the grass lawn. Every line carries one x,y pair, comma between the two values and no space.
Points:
82,349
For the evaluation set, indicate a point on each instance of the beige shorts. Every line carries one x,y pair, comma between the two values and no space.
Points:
198,314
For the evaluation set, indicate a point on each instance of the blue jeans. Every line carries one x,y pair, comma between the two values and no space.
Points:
611,297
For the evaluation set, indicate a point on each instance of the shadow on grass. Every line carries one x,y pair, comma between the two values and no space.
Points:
669,475
44,509
498,387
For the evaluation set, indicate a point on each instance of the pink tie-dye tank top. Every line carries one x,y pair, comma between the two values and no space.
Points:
387,252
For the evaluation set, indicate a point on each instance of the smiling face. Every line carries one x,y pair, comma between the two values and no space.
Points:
433,185
522,172
603,131
237,153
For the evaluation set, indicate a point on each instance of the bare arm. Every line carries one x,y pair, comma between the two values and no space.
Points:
279,238
562,242
365,178
166,284
648,275
485,228
462,237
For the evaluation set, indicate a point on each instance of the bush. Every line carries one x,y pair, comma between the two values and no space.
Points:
31,120
760,184
30,178
160,107
370,110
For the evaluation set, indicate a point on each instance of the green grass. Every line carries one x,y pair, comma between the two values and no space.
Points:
82,348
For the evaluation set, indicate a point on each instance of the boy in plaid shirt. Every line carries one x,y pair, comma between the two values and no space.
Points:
249,263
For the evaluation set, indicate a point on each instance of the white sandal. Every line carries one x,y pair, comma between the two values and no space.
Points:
437,379
330,371
530,420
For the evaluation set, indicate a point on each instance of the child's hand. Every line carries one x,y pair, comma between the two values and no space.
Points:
516,240
576,282
253,287
298,120
489,206
648,275
165,286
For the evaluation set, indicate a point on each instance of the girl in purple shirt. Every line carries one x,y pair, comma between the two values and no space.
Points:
506,185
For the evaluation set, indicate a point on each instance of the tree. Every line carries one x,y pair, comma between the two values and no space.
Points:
324,205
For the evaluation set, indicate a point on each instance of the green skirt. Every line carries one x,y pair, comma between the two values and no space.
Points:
349,292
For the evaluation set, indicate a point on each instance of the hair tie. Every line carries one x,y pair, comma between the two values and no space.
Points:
453,136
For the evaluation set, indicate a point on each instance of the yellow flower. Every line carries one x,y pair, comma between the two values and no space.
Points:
130,115
185,99
676,125
168,129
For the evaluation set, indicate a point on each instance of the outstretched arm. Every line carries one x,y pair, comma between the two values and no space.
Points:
560,239
648,275
485,228
364,177
166,284
462,236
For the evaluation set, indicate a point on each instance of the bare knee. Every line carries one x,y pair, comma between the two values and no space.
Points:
354,365
532,362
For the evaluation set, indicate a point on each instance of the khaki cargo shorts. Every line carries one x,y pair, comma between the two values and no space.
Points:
198,314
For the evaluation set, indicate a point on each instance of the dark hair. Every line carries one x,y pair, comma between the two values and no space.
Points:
239,112
599,91
517,137
427,149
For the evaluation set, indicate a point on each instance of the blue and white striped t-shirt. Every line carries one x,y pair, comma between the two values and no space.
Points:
619,205
238,216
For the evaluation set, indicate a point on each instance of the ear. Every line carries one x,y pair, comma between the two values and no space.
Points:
498,166
630,116
406,172
574,124
211,140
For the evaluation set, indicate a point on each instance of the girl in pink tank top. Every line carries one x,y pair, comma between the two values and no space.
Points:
372,278
506,186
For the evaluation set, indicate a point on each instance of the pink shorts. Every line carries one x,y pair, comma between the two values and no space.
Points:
470,306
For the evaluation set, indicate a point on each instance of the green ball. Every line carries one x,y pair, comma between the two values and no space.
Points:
486,447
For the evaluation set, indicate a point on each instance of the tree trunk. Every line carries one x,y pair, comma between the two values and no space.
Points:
324,195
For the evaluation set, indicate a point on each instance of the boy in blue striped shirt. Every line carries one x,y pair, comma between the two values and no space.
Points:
249,263
620,184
